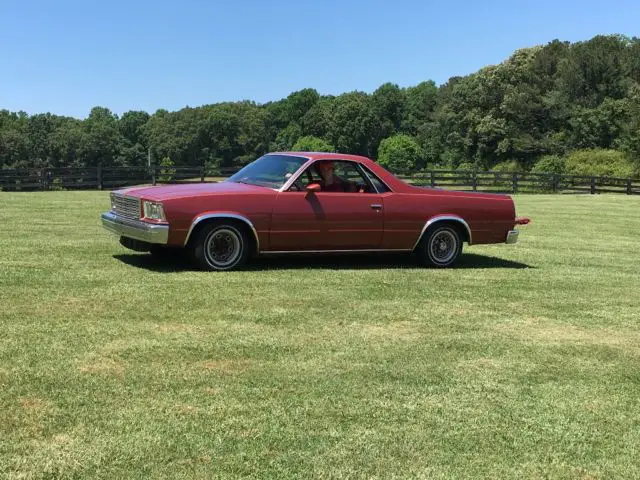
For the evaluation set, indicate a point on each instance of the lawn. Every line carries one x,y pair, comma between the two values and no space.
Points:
523,362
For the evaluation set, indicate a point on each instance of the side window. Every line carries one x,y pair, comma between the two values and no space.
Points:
381,187
349,171
334,176
310,175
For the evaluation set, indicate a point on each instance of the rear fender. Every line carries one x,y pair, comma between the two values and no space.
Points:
445,218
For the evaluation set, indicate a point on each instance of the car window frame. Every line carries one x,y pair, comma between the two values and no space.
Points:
368,173
358,166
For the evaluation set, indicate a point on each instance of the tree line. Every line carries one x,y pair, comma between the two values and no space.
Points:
561,107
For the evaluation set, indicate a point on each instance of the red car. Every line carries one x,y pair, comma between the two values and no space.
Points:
308,202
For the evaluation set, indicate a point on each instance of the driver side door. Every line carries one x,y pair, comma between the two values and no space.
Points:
331,221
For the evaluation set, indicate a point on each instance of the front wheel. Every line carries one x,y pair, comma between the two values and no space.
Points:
440,247
220,247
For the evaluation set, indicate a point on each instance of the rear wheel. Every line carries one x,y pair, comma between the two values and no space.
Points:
440,247
220,246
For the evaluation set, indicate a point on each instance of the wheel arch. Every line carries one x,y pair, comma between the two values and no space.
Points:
451,219
209,217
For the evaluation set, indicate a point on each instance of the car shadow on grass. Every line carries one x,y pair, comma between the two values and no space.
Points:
178,263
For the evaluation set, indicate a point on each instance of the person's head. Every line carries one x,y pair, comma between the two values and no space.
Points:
326,171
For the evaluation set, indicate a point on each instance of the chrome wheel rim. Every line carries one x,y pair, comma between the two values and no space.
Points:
443,246
223,247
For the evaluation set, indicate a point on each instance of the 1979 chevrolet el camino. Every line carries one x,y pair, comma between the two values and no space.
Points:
308,202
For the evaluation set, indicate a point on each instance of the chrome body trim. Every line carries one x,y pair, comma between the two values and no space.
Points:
441,218
365,250
512,237
136,229
235,216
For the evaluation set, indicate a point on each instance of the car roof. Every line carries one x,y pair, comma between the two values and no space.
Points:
325,156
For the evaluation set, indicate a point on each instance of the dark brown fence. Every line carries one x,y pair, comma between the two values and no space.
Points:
498,182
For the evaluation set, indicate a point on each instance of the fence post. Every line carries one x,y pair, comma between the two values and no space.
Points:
433,180
99,175
515,182
153,175
202,174
474,181
593,185
555,181
43,179
629,191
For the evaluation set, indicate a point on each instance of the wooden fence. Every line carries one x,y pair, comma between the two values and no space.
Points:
116,177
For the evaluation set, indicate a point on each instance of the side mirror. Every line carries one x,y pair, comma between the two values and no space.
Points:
313,188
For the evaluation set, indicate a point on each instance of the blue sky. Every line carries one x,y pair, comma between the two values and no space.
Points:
67,56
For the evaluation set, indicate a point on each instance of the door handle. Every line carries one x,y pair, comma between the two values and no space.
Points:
376,206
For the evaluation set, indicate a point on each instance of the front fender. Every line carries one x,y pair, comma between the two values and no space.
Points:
201,217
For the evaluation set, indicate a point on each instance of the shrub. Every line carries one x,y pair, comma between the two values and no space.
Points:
56,184
467,167
312,144
400,153
599,162
166,170
550,164
508,166
465,170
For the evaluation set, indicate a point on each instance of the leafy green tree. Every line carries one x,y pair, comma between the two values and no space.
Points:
420,105
293,108
400,153
101,140
131,126
629,140
299,103
317,120
352,125
39,130
14,140
66,144
388,105
312,144
287,138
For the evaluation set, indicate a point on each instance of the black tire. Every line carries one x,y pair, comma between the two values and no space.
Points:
440,246
220,246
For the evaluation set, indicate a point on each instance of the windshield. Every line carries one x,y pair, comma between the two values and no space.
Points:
269,171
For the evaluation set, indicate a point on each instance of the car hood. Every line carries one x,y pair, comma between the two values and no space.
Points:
167,192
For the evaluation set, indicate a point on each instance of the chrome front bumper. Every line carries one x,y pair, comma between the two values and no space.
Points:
136,229
512,237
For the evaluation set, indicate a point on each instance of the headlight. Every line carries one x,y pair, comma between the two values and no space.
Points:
153,210
113,202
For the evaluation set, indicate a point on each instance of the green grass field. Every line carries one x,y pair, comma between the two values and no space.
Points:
523,362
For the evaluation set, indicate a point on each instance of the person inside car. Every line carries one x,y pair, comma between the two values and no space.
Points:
332,182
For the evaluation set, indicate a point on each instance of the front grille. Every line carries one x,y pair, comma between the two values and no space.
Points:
128,207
